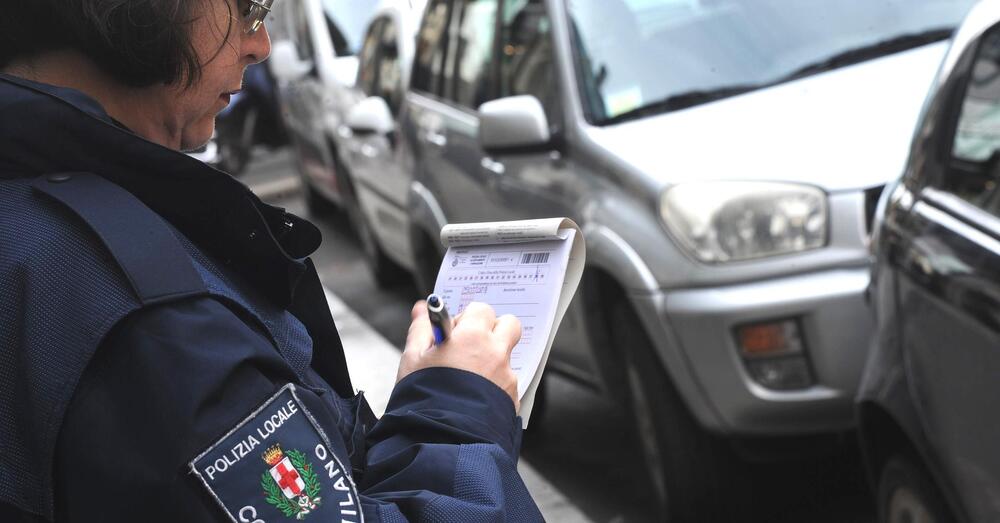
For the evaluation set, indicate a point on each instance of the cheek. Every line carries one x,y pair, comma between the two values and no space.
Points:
193,113
217,80
205,98
196,116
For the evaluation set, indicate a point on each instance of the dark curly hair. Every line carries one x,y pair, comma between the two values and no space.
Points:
139,42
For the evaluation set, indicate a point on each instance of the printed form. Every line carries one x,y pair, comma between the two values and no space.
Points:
526,268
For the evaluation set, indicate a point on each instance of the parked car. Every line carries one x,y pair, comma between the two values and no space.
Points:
368,140
926,415
723,158
314,59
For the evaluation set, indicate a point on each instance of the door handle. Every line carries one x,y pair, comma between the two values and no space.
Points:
493,166
436,139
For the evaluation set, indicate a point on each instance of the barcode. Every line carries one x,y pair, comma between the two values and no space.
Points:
535,257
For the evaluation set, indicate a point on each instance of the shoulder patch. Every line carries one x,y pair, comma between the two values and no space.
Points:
276,465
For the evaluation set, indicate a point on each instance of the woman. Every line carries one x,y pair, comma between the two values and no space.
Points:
166,351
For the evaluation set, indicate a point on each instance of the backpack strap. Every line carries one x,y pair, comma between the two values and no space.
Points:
48,338
160,269
155,263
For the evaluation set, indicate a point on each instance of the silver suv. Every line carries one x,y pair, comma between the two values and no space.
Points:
723,158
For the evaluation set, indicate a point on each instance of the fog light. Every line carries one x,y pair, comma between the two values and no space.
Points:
781,373
769,339
774,354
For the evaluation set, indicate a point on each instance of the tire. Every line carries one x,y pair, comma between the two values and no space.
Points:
540,408
906,494
428,261
694,475
386,272
317,204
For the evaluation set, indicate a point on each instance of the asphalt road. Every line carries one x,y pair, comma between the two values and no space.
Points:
582,443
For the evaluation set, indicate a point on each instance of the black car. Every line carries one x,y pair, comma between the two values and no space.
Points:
929,429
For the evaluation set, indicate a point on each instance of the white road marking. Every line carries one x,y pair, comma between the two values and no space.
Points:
371,359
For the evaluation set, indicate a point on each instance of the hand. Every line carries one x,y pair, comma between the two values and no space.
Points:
480,343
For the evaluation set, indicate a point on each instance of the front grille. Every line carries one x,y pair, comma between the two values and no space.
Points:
871,202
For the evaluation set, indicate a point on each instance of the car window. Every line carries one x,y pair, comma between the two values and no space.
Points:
432,43
472,55
279,22
527,59
300,30
636,58
974,172
390,75
367,58
347,20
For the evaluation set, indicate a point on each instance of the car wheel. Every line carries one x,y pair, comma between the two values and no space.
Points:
317,204
906,494
694,475
541,405
428,262
386,272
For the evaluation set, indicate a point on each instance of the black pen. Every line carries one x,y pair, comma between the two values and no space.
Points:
440,319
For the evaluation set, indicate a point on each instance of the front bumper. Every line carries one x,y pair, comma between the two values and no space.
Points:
697,327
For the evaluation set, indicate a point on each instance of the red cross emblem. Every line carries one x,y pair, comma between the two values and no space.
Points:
288,478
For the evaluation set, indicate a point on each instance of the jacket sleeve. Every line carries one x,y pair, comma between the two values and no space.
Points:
446,450
171,380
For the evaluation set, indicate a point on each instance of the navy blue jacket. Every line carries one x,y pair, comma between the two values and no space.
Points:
167,353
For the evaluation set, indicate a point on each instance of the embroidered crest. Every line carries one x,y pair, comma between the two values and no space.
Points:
291,483
278,465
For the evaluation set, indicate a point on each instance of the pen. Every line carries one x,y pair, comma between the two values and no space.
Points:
440,319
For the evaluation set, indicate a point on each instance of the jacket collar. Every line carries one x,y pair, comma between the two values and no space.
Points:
48,129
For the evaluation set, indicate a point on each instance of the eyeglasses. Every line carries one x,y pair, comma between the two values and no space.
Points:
255,14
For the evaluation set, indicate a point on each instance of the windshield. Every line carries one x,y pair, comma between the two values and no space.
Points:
349,18
638,57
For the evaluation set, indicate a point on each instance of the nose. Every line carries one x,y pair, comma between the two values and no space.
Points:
257,46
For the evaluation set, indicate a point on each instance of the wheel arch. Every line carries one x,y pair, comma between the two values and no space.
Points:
343,177
426,212
616,271
689,466
427,218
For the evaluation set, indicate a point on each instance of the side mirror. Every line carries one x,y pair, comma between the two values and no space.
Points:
513,122
285,62
371,115
345,70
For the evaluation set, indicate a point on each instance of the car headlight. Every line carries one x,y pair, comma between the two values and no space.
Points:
732,221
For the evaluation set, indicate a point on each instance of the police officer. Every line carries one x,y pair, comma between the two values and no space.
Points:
166,350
